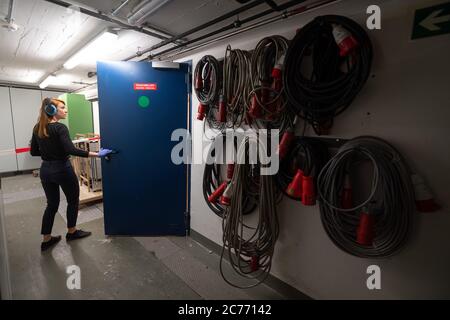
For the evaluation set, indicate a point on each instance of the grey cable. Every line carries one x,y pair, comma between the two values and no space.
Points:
391,198
241,242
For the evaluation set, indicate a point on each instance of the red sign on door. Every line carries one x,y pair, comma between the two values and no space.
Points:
145,86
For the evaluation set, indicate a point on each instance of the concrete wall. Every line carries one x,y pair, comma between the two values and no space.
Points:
407,103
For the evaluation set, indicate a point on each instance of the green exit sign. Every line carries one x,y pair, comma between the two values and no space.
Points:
431,21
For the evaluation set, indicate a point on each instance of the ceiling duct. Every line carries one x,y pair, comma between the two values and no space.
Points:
143,10
8,21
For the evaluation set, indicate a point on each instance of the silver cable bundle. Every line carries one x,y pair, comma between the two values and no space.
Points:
236,77
388,210
250,249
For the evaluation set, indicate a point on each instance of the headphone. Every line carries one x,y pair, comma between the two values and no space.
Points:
50,108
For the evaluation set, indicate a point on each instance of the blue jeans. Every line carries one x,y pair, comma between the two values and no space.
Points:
53,175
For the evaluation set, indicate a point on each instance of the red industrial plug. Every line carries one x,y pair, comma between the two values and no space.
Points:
217,193
255,108
202,108
277,73
424,198
222,115
198,82
366,229
294,188
344,39
347,194
230,171
225,199
308,191
254,263
285,143
277,85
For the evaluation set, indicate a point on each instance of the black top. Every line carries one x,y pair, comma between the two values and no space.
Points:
58,146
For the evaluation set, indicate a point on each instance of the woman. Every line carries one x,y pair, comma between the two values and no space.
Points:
52,142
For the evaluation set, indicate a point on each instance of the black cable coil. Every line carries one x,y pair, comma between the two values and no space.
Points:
306,154
390,203
333,81
207,87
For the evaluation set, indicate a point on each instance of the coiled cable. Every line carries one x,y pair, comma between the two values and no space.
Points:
213,178
266,101
207,87
390,203
250,249
236,82
321,80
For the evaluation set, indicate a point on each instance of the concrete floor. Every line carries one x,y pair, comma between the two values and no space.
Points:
111,267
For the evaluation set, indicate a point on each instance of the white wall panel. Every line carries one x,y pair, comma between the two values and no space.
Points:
25,109
8,161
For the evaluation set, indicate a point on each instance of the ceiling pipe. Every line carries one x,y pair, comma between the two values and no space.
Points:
8,17
116,11
285,15
233,25
144,9
201,27
117,21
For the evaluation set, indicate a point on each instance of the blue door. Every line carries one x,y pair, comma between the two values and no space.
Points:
144,193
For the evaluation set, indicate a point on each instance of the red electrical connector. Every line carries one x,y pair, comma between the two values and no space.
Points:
225,199
254,263
366,229
424,198
202,108
294,188
222,115
347,194
285,143
217,193
230,171
255,108
277,74
308,191
344,39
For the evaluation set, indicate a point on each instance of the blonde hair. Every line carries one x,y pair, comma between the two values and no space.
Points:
44,119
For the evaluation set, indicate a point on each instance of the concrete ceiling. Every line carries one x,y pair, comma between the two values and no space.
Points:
49,34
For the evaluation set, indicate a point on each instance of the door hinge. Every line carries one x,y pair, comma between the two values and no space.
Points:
187,222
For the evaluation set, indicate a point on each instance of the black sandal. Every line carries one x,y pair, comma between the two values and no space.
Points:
48,244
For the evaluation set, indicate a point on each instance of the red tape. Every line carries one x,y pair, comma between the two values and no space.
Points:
22,150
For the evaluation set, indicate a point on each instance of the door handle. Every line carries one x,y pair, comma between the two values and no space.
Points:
108,157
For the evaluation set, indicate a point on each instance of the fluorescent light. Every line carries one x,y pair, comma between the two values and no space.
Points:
93,49
144,9
47,81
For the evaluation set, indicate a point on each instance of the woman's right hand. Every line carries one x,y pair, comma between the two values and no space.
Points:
101,154
104,152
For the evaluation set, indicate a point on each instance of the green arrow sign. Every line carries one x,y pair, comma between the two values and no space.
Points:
431,21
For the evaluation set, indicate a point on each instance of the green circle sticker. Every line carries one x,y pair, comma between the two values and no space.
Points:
144,101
